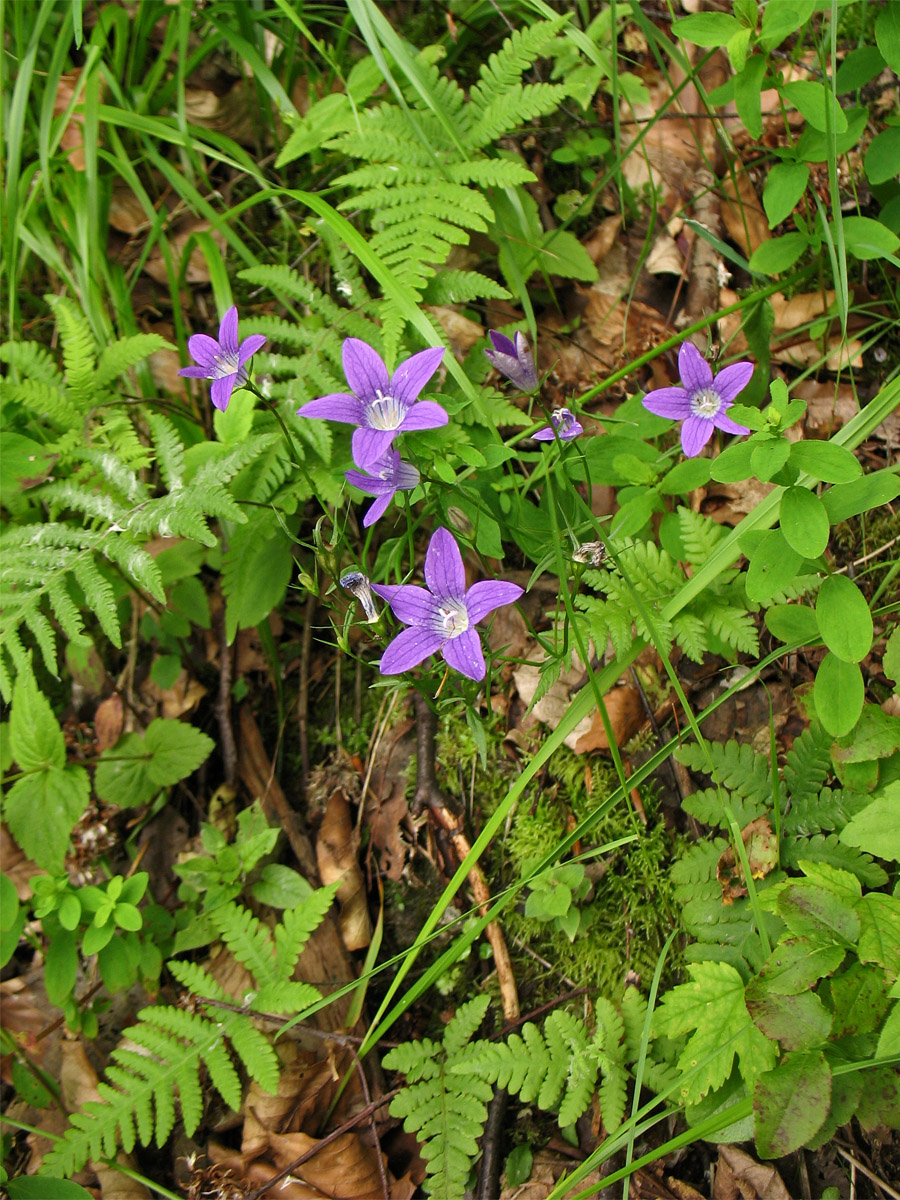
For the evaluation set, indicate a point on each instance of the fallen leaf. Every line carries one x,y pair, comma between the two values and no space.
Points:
183,696
384,819
462,332
16,866
108,721
623,704
337,851
306,1088
344,1168
762,856
72,138
626,715
742,212
740,1177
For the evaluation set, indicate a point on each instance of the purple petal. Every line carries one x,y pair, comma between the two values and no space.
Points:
369,445
249,347
228,331
444,571
695,433
203,349
733,379
412,375
464,654
408,649
196,372
726,424
377,510
482,598
406,476
221,389
547,434
427,414
411,605
693,368
366,373
372,485
671,402
338,406
502,343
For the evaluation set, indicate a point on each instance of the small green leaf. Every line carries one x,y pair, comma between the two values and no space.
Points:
41,1187
882,160
804,522
61,966
707,29
847,500
747,88
792,623
778,254
69,912
96,937
887,35
41,810
785,184
879,939
890,664
826,461
799,1022
686,476
780,20
177,749
736,48
858,68
797,963
122,776
128,917
839,693
845,621
769,456
791,1103
818,913
773,567
817,105
867,238
9,904
280,887
36,739
116,969
877,828
733,464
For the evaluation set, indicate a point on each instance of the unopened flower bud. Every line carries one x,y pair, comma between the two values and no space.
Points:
460,521
593,553
358,585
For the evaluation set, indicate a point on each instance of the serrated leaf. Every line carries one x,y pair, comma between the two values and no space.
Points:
41,810
36,740
177,750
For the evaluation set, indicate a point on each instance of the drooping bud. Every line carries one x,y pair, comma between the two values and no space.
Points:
358,585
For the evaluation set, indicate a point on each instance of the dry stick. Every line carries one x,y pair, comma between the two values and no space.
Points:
362,1115
223,703
429,795
857,1165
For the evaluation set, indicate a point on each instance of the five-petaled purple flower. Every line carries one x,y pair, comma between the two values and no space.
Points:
380,405
701,401
443,616
389,475
513,359
223,361
563,425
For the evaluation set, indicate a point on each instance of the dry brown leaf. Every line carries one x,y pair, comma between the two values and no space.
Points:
108,721
462,333
183,696
604,237
789,345
230,113
16,866
626,715
742,212
126,212
72,138
762,856
197,270
665,258
306,1089
729,503
739,1175
259,1172
625,711
78,1082
337,848
384,819
344,1168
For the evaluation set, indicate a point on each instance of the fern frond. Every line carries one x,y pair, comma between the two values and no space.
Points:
699,535
247,939
827,848
503,70
297,926
44,400
829,810
707,806
735,765
517,106
99,597
119,357
169,451
491,172
808,763
33,361
79,355
452,286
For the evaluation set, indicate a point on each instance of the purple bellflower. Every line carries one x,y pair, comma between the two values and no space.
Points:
443,616
563,425
389,475
223,361
702,401
359,585
381,405
513,359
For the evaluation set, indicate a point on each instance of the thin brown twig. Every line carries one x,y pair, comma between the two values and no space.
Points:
303,698
223,703
854,1162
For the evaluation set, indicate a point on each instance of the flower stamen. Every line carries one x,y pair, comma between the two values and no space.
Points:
705,403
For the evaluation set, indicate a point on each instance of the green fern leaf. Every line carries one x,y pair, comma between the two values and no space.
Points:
735,766
297,926
699,535
127,352
247,940
808,763
32,361
829,849
79,353
707,806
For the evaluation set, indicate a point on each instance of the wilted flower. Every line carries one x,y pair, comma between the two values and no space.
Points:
513,359
563,425
593,553
359,586
701,401
442,617
389,475
381,406
222,361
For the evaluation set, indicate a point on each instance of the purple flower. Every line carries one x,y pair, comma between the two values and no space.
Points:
381,406
563,425
389,475
443,616
358,585
513,359
701,401
222,361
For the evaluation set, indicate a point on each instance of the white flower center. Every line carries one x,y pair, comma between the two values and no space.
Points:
385,412
706,403
225,364
452,618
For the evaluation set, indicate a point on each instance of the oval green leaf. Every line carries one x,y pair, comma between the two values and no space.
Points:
839,693
825,461
773,567
769,456
785,184
847,500
845,622
687,475
775,256
804,522
792,623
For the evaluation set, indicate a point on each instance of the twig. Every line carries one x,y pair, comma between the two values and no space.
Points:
858,1166
303,698
858,562
362,1115
429,795
223,703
